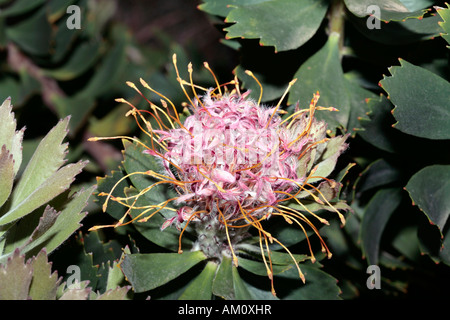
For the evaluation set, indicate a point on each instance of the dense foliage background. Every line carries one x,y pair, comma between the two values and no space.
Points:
389,78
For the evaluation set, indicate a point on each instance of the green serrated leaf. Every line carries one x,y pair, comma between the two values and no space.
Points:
9,137
114,294
53,234
103,252
76,294
115,276
422,108
44,283
46,160
429,189
6,174
53,186
445,24
284,24
15,278
377,125
149,271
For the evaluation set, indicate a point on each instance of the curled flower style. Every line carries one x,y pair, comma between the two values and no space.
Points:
234,164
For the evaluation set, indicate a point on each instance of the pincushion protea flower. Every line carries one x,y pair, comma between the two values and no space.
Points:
235,164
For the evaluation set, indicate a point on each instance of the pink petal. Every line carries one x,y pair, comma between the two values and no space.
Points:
167,223
223,176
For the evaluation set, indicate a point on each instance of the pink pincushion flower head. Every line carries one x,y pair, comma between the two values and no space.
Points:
235,164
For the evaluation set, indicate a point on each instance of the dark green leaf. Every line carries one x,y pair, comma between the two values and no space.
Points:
223,7
277,258
83,57
377,126
201,287
429,188
378,173
240,288
284,24
422,108
36,42
151,270
18,7
319,285
223,282
375,218
108,71
57,8
259,268
77,107
323,72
